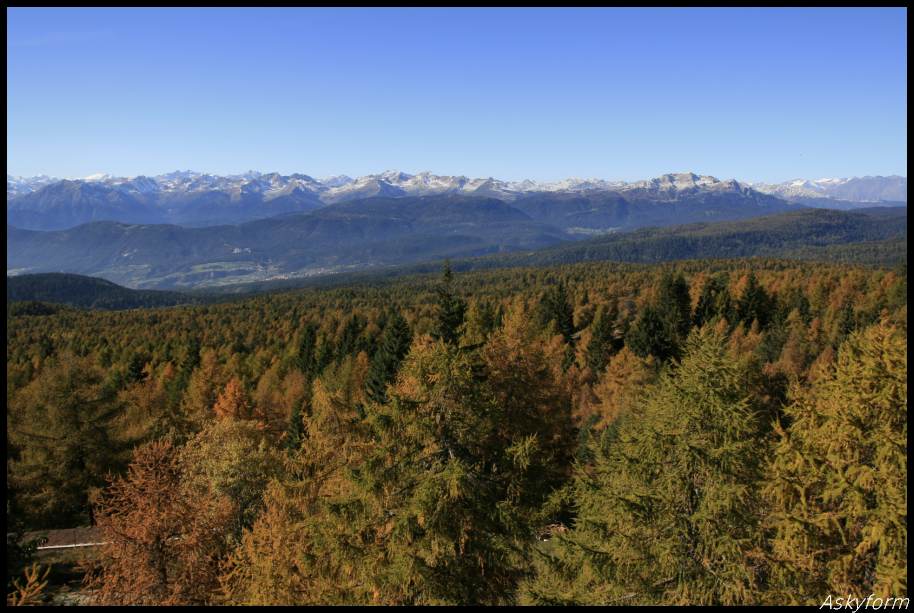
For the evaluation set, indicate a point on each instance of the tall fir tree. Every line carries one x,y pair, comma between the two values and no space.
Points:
394,346
451,309
295,431
603,341
755,304
427,500
652,334
674,303
555,307
305,359
714,302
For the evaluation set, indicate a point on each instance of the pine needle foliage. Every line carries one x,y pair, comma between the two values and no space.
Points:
838,479
667,513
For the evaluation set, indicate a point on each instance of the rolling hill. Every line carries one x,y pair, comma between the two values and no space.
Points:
86,292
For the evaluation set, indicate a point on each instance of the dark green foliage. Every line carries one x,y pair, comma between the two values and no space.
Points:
323,356
351,340
442,501
45,346
603,341
191,356
384,363
31,307
795,299
714,302
295,433
88,292
755,304
135,367
652,334
306,358
674,303
662,326
845,324
451,309
556,308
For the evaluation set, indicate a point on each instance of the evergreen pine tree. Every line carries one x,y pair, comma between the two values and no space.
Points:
668,513
136,369
351,341
305,359
652,334
451,309
427,500
714,302
674,303
556,307
295,431
384,363
755,303
603,342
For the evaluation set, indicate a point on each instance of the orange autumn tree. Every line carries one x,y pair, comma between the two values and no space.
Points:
232,402
163,540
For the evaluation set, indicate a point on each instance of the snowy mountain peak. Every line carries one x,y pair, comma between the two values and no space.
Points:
97,178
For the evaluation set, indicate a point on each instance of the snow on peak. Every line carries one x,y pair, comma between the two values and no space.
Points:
97,177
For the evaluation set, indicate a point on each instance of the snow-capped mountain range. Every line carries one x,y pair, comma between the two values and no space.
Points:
187,228
199,199
856,189
395,183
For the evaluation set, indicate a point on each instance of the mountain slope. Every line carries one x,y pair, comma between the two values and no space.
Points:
87,292
647,206
350,235
875,236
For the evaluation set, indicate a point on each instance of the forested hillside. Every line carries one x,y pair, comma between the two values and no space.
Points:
87,292
700,432
875,236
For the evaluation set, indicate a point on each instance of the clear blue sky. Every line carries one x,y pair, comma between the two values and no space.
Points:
755,94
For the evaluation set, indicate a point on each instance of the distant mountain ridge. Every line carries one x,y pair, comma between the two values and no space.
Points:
198,199
876,236
363,234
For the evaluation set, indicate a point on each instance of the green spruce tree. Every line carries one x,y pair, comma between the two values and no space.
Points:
714,302
603,341
393,348
451,309
555,307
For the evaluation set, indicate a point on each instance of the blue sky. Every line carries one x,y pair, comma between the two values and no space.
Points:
755,94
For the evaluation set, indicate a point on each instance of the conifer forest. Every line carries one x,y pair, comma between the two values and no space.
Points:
702,432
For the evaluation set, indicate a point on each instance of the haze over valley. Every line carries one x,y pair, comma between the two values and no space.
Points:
187,229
